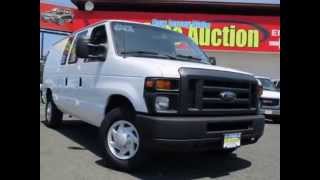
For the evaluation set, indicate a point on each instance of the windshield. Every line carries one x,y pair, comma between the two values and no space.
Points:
148,41
267,84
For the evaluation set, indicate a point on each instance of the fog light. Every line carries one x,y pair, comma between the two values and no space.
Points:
162,103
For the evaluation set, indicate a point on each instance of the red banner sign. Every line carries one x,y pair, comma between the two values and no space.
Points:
211,32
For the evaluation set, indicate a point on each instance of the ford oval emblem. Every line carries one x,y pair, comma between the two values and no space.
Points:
228,96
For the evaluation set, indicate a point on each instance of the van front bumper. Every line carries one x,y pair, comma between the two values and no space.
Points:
196,133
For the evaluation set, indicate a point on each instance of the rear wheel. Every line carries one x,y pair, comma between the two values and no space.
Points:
121,140
53,116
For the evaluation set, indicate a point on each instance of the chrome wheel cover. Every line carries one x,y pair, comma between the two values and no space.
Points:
122,139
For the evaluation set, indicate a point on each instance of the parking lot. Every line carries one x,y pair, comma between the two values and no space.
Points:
72,153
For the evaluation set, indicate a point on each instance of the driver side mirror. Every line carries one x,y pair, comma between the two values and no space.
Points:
212,60
82,48
85,49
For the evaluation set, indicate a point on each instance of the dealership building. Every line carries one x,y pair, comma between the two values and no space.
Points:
244,36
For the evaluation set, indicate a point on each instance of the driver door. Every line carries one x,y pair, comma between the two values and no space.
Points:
90,103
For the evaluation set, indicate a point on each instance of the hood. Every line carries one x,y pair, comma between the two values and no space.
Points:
270,94
170,68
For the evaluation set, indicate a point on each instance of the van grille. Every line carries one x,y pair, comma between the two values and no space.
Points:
269,102
202,94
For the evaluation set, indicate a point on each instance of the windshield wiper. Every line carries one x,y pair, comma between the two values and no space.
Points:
140,52
167,56
150,53
188,57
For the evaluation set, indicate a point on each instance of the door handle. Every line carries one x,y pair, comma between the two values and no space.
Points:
66,81
80,82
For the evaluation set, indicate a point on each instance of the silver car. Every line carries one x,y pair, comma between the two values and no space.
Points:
58,16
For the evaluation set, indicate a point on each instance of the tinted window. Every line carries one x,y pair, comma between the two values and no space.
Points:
66,17
267,84
66,51
98,35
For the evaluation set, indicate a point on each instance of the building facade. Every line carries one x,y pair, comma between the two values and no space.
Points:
240,35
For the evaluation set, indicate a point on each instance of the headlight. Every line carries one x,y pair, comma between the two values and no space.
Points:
162,95
162,103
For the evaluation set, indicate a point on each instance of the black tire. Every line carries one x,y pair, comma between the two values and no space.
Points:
120,113
55,119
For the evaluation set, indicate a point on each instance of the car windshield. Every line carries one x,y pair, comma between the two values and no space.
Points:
267,84
147,41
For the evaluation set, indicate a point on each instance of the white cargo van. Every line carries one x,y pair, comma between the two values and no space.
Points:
147,88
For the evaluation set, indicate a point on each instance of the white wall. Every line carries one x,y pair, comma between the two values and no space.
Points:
256,63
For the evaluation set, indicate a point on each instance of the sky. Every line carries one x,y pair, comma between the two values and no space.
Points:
49,39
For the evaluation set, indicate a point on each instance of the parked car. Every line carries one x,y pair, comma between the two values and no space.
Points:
58,16
276,83
144,93
270,99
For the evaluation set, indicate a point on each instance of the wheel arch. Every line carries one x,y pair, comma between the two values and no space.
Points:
118,100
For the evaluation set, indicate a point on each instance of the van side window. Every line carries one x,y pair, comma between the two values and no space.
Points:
98,36
66,51
73,57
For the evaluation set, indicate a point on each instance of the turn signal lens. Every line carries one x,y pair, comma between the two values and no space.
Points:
163,84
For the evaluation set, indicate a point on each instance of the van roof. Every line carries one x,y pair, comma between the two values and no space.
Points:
100,22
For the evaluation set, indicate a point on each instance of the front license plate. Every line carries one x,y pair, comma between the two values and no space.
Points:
231,140
268,112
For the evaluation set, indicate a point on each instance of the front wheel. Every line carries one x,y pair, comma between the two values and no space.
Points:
121,140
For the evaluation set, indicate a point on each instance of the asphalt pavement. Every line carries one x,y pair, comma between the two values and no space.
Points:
72,153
